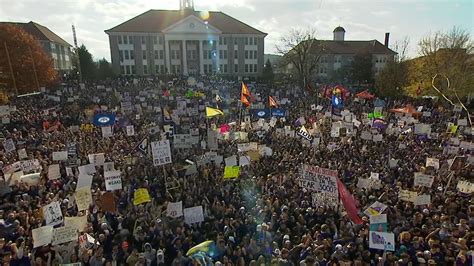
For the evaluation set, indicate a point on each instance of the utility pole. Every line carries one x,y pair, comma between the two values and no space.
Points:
11,69
77,53
34,69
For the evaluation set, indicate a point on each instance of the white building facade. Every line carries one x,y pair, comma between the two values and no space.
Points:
186,42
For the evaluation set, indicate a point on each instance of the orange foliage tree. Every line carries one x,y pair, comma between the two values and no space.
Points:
26,55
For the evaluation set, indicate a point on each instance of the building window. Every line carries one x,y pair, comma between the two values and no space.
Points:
205,68
126,55
220,40
163,69
246,41
155,40
122,70
177,54
156,54
225,54
125,39
130,39
255,40
162,54
209,54
157,69
236,68
255,68
225,68
133,70
160,40
236,54
128,70
173,55
144,55
246,54
132,55
246,68
235,41
119,40
145,69
255,54
143,40
220,54
120,55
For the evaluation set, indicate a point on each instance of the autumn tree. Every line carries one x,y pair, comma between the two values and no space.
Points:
393,78
301,51
30,66
448,54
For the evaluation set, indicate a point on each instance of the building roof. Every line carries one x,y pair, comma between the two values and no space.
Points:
355,47
40,32
158,20
339,28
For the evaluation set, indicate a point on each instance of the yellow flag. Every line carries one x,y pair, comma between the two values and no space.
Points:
231,172
141,196
210,112
453,129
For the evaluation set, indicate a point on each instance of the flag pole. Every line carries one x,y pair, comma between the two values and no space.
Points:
11,68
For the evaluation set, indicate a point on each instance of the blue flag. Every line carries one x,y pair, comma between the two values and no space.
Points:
278,112
260,113
104,119
337,101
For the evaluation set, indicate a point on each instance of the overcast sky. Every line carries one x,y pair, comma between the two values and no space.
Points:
362,19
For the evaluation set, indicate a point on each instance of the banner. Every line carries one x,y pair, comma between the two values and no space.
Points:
64,234
83,198
423,180
278,112
193,215
60,155
231,172
183,141
113,180
52,213
161,152
141,196
174,209
324,199
382,240
319,179
42,236
260,113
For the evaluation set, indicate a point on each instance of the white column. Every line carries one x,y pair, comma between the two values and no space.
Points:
167,55
217,55
201,58
185,59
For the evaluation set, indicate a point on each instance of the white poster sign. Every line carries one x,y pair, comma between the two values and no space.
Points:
84,180
250,146
107,132
231,161
64,234
60,156
83,198
183,141
53,172
161,152
193,215
423,180
9,145
465,187
424,199
113,180
378,219
382,240
432,162
319,179
96,159
22,154
130,130
52,213
174,209
42,236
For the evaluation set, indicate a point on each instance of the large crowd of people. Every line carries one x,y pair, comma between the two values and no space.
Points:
74,192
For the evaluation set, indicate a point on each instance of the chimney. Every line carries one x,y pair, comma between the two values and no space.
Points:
387,38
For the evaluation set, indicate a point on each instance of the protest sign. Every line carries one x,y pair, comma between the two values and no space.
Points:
433,162
96,159
22,154
109,166
231,161
365,135
393,163
191,170
64,234
231,172
174,209
113,180
375,209
244,147
407,195
424,199
88,169
161,152
31,179
84,180
377,137
423,180
53,172
130,130
244,160
378,223
319,179
382,240
183,141
60,156
78,222
107,132
83,198
42,236
141,196
465,187
212,139
193,215
107,202
374,175
324,199
52,213
9,145
369,183
253,155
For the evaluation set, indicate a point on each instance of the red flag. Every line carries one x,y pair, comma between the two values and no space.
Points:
245,90
349,202
166,93
244,100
